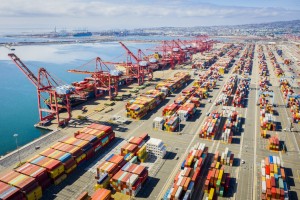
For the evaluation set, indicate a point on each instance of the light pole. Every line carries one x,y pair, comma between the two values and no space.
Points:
16,137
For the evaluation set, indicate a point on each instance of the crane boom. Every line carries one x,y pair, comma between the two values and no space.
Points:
25,69
129,52
80,71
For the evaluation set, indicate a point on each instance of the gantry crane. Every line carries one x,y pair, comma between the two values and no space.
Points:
136,67
167,58
179,52
103,77
49,91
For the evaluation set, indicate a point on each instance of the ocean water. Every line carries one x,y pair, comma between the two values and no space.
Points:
18,98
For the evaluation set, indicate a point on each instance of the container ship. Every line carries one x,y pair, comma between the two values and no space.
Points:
82,33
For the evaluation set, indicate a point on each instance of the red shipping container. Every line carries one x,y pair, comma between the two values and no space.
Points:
277,193
206,185
273,183
144,136
8,192
273,191
272,168
267,161
196,176
282,173
269,194
281,193
176,177
268,182
21,181
268,169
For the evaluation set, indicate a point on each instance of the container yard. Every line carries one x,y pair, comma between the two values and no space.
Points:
216,121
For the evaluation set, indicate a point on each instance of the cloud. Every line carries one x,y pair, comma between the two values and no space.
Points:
92,8
106,14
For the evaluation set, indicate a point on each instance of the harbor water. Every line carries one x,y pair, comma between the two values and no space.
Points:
18,98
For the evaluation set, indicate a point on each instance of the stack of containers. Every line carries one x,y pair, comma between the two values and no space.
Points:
172,123
8,192
84,145
75,151
139,170
211,125
26,184
101,194
156,148
274,143
181,99
195,99
65,158
273,185
135,147
189,174
189,108
108,169
231,125
170,109
92,140
227,157
240,94
129,182
188,91
230,86
158,123
217,181
50,168
268,122
142,153
105,134
263,133
139,107
222,100
54,167
38,173
129,149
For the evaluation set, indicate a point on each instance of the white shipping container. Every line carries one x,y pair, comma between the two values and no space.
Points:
263,187
278,162
178,192
169,195
263,171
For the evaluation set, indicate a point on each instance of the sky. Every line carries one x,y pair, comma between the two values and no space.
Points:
118,14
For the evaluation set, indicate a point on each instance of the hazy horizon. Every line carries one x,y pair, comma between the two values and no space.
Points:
120,14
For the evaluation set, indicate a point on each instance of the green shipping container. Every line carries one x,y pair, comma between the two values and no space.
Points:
281,183
221,191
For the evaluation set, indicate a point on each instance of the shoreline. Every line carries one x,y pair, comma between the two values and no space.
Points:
11,158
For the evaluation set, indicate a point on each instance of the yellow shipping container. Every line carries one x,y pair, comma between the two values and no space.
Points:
217,165
103,185
35,194
220,175
275,169
80,158
211,194
55,173
60,179
142,150
71,169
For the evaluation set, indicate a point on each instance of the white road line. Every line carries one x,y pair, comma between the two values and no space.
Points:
255,146
237,171
217,147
